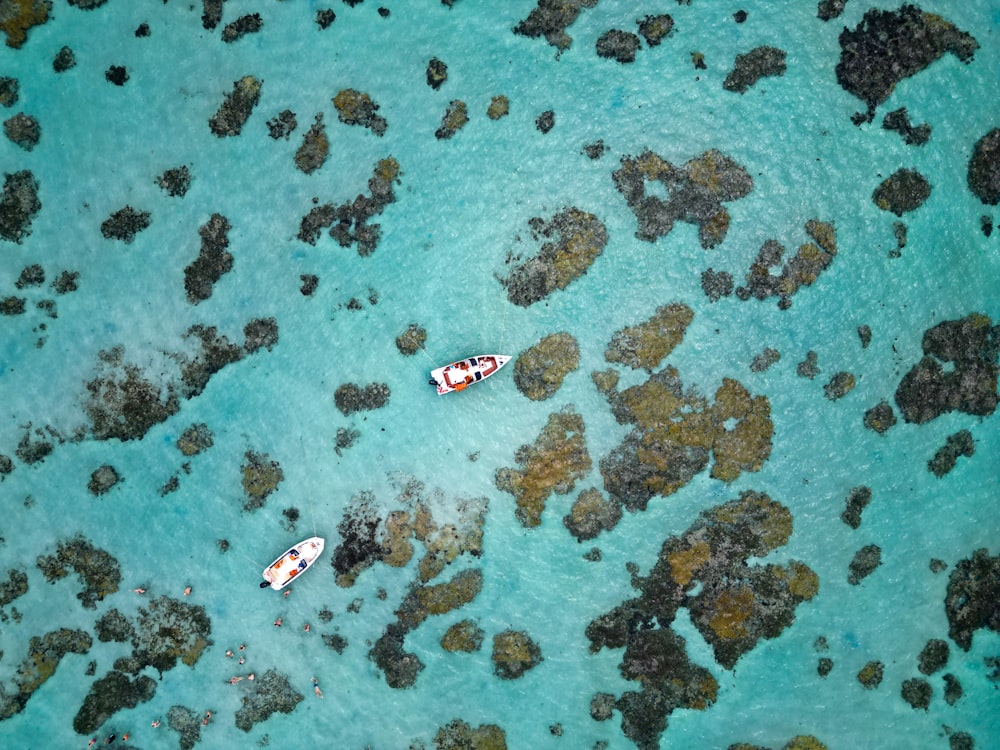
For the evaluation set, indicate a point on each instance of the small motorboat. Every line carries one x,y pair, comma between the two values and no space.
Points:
292,564
461,374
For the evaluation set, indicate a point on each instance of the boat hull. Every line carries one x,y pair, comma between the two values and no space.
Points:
293,563
461,374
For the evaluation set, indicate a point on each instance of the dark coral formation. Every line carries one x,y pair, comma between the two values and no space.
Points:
116,74
456,116
644,346
459,735
762,62
827,10
733,605
973,597
971,344
20,15
125,224
10,90
984,168
903,191
248,24
271,693
576,239
282,125
540,370
113,626
695,193
801,270
187,724
214,260
550,19
351,397
888,46
514,653
98,571
236,108
64,60
260,333
23,130
917,692
899,121
765,360
410,341
360,546
358,108
857,500
933,657
545,121
175,182
864,563
676,434
315,148
261,477
553,464
499,107
44,655
123,403
958,444
18,205
15,586
103,479
716,284
618,45
350,219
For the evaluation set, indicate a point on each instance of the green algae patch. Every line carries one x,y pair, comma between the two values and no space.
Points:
459,735
540,370
732,603
97,570
464,636
576,239
514,653
678,432
556,460
44,655
645,345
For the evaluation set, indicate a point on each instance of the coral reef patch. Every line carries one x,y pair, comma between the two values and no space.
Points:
540,370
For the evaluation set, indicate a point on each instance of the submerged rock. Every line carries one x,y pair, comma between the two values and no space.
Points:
933,657
880,418
899,121
591,514
237,107
214,260
762,62
350,398
803,269
973,597
888,46
864,563
437,73
103,479
618,45
18,205
857,500
917,692
248,24
540,370
984,168
514,653
175,182
840,384
64,60
315,148
23,130
695,193
576,239
557,459
455,118
282,125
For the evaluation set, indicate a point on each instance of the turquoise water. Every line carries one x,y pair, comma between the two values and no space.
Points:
462,206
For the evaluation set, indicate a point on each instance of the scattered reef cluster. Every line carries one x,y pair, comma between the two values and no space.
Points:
672,429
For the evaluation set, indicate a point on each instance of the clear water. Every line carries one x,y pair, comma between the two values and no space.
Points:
464,205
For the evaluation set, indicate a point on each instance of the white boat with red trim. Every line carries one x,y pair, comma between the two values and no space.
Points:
461,374
289,566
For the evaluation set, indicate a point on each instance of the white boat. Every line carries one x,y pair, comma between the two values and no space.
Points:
461,374
289,566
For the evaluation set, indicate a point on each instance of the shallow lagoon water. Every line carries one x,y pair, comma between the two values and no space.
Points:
463,207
